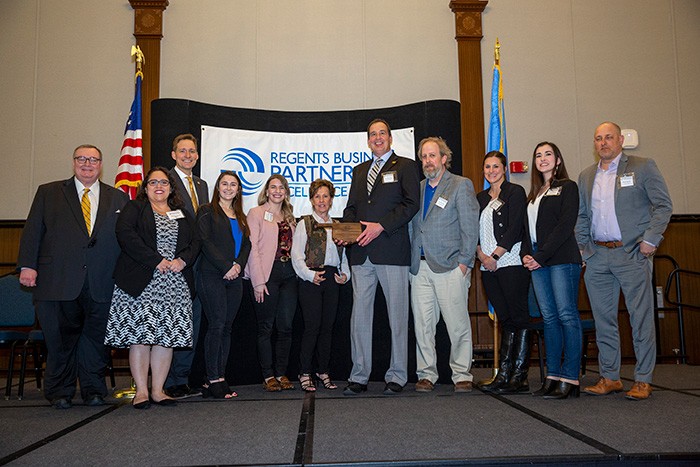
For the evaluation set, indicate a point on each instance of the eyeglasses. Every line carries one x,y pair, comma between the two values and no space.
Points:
85,160
154,182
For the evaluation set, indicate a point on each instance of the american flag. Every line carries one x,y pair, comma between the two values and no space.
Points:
130,171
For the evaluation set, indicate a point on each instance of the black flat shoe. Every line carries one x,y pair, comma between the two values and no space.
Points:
143,405
548,386
564,390
167,402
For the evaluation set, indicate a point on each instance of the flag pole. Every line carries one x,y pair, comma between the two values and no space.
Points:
137,55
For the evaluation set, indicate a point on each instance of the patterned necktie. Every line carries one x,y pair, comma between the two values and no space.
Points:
85,206
193,194
372,175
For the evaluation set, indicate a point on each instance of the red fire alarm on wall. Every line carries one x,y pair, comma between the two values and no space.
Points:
518,167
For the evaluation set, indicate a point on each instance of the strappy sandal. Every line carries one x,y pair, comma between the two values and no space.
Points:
221,390
307,384
326,381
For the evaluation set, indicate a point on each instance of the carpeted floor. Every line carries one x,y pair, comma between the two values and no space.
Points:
438,428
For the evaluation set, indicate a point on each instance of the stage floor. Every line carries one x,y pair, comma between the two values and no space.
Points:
327,428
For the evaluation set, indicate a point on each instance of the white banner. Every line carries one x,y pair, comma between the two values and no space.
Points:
300,157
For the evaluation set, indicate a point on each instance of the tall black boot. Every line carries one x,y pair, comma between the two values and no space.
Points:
505,364
518,382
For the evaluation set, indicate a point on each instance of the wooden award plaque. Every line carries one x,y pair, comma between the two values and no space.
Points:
344,231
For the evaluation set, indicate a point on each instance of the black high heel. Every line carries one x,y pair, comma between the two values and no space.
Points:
548,386
564,390
220,390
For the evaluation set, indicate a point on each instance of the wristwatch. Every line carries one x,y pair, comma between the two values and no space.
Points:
495,256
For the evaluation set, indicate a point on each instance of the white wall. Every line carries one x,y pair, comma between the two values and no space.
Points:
567,65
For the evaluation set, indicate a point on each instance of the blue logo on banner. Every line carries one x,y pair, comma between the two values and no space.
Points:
249,163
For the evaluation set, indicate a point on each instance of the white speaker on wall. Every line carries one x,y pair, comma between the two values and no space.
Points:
631,139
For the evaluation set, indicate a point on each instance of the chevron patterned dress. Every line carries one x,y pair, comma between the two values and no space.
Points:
162,314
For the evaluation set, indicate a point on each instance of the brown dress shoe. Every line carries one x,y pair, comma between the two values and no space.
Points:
603,387
284,383
424,385
463,386
271,385
639,391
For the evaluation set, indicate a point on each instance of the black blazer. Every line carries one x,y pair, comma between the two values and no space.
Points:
507,221
391,204
556,219
56,244
218,244
200,186
136,233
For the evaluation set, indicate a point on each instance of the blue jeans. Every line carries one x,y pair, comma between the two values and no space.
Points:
556,288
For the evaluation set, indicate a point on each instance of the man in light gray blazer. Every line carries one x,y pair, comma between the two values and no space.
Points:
444,234
624,210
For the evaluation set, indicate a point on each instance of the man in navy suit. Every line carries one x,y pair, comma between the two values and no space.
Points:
623,212
443,246
384,196
67,255
194,192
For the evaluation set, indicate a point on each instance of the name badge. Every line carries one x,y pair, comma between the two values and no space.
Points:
497,204
389,177
269,217
556,191
441,202
627,180
172,215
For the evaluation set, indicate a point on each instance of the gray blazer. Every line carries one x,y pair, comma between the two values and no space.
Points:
643,210
449,234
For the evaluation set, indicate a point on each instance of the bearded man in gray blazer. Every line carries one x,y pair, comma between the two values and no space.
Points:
623,212
67,256
444,234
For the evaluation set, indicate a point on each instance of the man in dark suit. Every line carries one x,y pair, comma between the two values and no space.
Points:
194,192
67,254
623,212
384,197
443,245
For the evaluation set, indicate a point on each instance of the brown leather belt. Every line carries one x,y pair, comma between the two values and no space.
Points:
614,244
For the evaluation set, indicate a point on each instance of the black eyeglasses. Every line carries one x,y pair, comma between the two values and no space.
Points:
154,182
85,160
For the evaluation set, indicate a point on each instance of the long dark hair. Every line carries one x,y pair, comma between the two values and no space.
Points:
174,200
236,204
536,177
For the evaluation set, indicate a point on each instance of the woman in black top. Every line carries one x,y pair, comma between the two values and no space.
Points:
505,280
551,253
225,248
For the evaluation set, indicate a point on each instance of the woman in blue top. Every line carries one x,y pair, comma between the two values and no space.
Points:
226,245
551,253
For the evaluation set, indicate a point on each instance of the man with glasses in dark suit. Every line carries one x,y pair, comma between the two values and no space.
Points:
67,255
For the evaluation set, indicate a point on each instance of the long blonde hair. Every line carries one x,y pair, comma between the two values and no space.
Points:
287,208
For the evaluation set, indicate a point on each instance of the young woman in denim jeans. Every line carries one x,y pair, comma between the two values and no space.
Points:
551,253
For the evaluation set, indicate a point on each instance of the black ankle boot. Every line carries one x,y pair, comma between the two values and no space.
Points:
518,382
505,364
564,390
548,386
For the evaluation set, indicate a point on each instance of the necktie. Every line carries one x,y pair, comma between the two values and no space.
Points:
372,175
193,194
85,206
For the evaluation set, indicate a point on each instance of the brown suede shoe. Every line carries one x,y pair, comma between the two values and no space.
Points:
463,386
424,385
603,387
639,391
284,383
271,385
